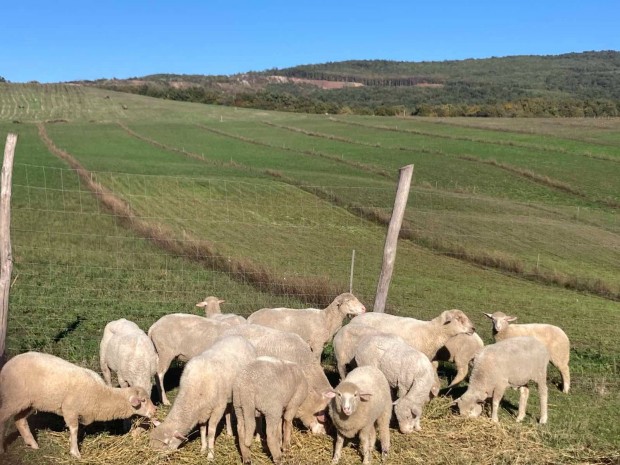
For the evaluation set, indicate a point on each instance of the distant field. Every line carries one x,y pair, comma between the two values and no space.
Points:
507,215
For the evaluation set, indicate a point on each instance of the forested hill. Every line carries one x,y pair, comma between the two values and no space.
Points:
574,84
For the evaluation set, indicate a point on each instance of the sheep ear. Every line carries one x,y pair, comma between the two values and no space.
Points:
329,394
488,315
365,397
201,304
221,301
511,318
179,436
135,401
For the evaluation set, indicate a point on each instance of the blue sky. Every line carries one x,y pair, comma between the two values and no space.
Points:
61,40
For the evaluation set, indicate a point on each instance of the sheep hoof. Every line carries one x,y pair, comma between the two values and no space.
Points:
210,455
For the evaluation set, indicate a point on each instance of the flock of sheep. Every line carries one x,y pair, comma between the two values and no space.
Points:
269,366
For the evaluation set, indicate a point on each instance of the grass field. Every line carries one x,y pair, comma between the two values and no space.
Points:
513,215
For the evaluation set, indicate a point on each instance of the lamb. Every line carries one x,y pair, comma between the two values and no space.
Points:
291,347
315,326
552,337
426,336
37,381
184,336
287,389
204,393
406,369
212,308
361,402
513,363
127,350
460,350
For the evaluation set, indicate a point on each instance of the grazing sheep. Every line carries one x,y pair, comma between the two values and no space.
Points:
212,310
552,337
128,351
426,336
315,326
183,336
406,369
512,363
345,344
35,381
460,350
361,402
275,388
204,393
289,346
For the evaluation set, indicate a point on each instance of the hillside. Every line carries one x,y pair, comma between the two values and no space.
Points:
127,206
575,84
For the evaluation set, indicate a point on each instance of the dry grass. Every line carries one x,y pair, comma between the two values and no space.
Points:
445,439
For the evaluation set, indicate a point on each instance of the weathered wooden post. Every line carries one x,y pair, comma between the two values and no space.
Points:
6,257
391,240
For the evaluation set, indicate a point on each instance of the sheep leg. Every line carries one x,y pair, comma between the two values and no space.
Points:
107,374
203,437
383,424
274,437
542,392
498,393
162,367
338,448
73,424
342,369
461,373
565,372
368,437
21,423
214,420
246,457
524,394
229,430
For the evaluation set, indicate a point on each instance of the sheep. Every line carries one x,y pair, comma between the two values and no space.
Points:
276,388
291,347
37,381
554,338
513,363
426,336
205,391
460,350
127,350
212,310
184,336
361,402
406,369
345,344
315,326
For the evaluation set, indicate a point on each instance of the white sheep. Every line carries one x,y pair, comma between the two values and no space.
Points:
315,326
291,347
512,363
460,350
184,336
406,369
359,404
34,381
128,351
212,308
275,388
205,391
426,336
554,338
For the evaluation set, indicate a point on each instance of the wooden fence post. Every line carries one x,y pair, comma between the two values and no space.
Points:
391,240
6,257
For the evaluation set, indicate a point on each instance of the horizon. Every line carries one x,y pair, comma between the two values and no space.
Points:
65,42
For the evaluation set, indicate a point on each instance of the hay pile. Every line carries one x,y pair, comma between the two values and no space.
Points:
445,439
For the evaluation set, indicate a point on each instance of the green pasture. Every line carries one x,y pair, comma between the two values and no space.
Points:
284,199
